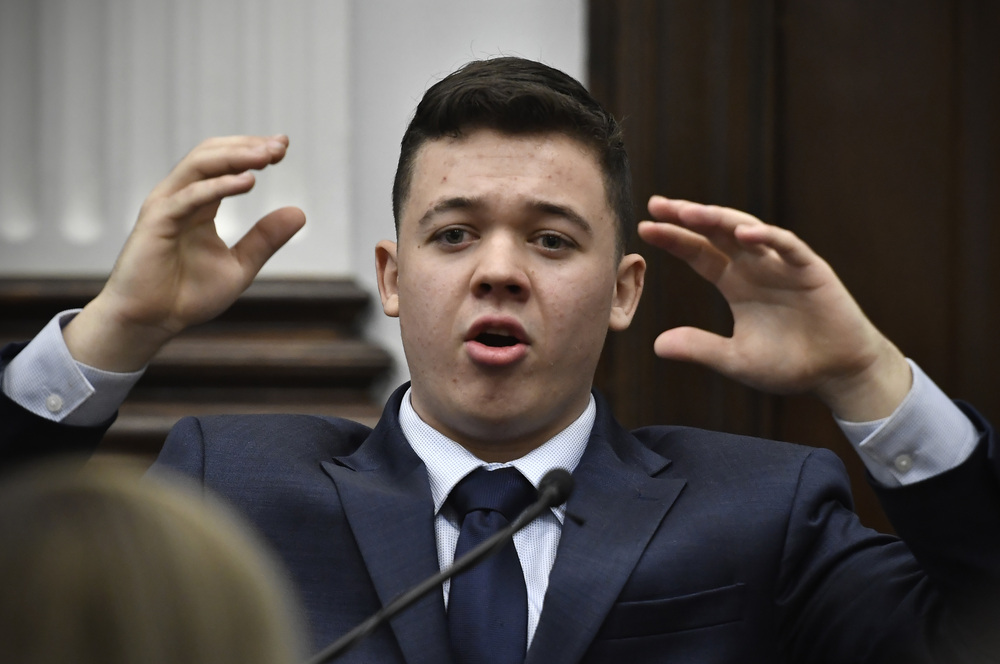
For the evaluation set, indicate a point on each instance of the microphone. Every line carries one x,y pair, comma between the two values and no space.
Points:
554,489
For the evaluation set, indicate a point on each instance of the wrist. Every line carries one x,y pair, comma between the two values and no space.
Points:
872,392
101,337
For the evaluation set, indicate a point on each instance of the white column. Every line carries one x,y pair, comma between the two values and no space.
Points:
18,103
99,98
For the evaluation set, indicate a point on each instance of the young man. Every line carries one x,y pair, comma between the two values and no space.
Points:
508,270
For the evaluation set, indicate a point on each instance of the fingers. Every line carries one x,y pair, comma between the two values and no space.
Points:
713,222
730,231
697,216
266,237
212,171
199,194
216,157
784,242
694,249
691,344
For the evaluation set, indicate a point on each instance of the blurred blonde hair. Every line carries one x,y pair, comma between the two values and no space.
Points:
100,565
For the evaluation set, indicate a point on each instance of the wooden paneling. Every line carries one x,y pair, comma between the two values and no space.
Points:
285,346
690,81
870,129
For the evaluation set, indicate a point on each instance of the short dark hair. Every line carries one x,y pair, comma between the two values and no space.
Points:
518,96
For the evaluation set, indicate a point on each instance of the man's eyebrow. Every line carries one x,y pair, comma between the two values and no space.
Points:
455,203
545,207
565,212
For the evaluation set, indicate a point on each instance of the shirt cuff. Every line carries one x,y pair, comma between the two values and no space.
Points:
925,436
44,379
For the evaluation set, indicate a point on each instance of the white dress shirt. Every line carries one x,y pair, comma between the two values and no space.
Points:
448,462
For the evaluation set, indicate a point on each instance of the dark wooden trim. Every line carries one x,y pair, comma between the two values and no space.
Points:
336,301
290,345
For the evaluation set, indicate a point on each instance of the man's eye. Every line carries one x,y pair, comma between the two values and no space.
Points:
553,242
453,236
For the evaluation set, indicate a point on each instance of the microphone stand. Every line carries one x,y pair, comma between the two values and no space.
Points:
489,546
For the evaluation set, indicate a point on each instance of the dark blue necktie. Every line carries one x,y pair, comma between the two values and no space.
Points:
488,605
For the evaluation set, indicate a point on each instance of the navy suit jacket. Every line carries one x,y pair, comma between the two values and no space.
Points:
694,546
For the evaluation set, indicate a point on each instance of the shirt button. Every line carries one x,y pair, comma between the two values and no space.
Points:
903,463
54,403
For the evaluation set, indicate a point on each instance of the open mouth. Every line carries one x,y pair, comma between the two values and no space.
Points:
496,340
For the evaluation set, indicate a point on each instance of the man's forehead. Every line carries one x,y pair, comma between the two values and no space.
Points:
443,177
501,139
563,171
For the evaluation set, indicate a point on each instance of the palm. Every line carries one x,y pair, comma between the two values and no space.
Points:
177,274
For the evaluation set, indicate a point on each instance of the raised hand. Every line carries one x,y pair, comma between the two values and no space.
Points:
796,328
174,270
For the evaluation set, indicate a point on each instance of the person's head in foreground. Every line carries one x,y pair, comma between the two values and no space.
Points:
103,566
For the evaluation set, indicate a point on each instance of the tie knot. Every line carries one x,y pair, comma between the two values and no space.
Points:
504,490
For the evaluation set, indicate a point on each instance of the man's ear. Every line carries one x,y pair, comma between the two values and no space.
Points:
387,271
628,289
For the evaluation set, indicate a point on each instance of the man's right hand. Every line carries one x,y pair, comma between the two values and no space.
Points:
174,271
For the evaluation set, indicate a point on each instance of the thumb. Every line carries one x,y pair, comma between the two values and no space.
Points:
268,235
691,344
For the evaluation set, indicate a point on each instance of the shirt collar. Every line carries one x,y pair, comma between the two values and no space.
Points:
448,462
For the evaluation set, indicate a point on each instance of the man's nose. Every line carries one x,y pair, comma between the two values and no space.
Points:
500,270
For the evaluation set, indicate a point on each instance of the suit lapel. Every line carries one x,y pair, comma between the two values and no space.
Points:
617,494
622,504
379,485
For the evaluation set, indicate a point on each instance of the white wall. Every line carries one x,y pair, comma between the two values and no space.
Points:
99,98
